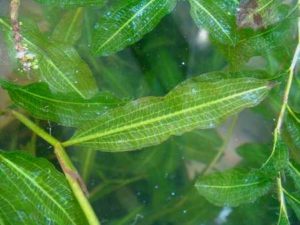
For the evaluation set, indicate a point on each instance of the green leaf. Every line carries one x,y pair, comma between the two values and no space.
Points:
217,16
283,217
196,103
68,3
295,174
292,127
68,30
68,110
233,187
127,22
278,160
294,202
33,192
59,65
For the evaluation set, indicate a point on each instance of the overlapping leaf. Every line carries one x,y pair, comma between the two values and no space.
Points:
68,110
127,22
59,64
233,187
68,30
68,3
217,16
33,192
196,103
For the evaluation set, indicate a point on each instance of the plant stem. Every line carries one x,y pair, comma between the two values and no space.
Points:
223,147
287,91
67,166
281,198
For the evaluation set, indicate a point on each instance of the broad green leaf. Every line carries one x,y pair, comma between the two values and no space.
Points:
233,187
68,3
127,22
196,103
218,17
58,64
32,191
68,30
68,110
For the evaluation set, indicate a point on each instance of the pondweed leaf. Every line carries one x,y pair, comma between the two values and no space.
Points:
126,22
69,29
68,110
295,174
196,103
278,159
234,187
292,128
71,3
59,65
218,17
33,192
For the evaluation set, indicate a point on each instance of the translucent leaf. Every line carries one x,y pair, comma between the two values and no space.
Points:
68,110
233,187
127,22
66,3
196,103
33,192
217,16
68,30
58,64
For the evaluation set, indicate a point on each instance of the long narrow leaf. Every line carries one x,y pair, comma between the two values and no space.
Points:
197,103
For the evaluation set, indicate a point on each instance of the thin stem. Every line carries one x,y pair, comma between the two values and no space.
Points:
223,147
281,198
287,91
293,114
67,166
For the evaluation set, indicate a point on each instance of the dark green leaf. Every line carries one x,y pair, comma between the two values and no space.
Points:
127,22
33,192
233,187
193,104
68,110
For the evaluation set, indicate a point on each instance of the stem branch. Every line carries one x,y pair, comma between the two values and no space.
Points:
67,166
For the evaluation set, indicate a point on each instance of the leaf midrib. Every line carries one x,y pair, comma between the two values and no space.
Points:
153,120
228,186
125,24
214,19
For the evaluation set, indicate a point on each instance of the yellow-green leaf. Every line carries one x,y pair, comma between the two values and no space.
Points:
197,103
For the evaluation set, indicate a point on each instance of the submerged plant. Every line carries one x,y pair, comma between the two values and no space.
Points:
152,140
